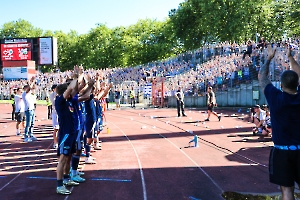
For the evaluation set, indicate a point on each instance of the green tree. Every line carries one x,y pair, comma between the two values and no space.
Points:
19,29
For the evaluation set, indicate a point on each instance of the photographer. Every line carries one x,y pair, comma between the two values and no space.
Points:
258,119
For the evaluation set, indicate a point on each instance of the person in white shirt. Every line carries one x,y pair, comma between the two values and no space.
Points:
258,119
19,110
54,116
29,112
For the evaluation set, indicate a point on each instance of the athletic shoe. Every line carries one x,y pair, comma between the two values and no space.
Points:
70,182
55,146
33,138
89,160
219,117
97,147
99,144
93,158
206,120
27,140
18,134
80,173
62,190
77,179
184,115
83,154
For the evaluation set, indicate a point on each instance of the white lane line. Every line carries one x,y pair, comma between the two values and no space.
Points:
23,170
211,179
139,162
200,168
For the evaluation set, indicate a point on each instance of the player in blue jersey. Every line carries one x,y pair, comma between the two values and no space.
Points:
90,124
284,161
78,106
68,114
67,133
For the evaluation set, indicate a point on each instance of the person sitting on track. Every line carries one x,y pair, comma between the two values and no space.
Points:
258,119
267,127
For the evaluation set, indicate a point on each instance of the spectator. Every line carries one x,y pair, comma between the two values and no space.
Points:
117,98
249,49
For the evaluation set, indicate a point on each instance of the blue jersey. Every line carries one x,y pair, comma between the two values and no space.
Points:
76,112
66,116
285,115
90,110
98,109
82,113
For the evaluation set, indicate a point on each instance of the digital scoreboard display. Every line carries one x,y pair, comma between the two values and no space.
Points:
16,51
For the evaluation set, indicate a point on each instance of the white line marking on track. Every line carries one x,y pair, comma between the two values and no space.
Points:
200,168
211,179
22,171
139,162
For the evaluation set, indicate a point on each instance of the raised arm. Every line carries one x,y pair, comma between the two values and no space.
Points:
72,89
264,70
104,92
295,66
87,92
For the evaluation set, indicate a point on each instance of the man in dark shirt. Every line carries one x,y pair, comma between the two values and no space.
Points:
180,102
12,98
284,161
117,98
67,133
211,103
249,49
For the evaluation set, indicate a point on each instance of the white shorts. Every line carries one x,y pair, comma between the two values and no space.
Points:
117,101
55,121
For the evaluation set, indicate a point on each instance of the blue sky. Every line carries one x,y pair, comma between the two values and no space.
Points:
82,15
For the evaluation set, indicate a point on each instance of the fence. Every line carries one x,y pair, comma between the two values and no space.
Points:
246,95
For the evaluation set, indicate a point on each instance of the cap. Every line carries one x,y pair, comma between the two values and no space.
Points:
256,106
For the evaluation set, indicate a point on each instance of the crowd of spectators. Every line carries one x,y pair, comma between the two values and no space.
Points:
222,66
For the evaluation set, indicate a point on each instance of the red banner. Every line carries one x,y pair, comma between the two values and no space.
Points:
19,51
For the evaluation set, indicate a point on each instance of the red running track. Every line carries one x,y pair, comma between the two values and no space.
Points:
145,156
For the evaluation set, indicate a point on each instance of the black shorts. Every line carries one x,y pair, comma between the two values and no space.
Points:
20,116
210,107
284,167
67,144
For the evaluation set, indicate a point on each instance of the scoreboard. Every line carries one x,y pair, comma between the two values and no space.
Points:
42,50
14,52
